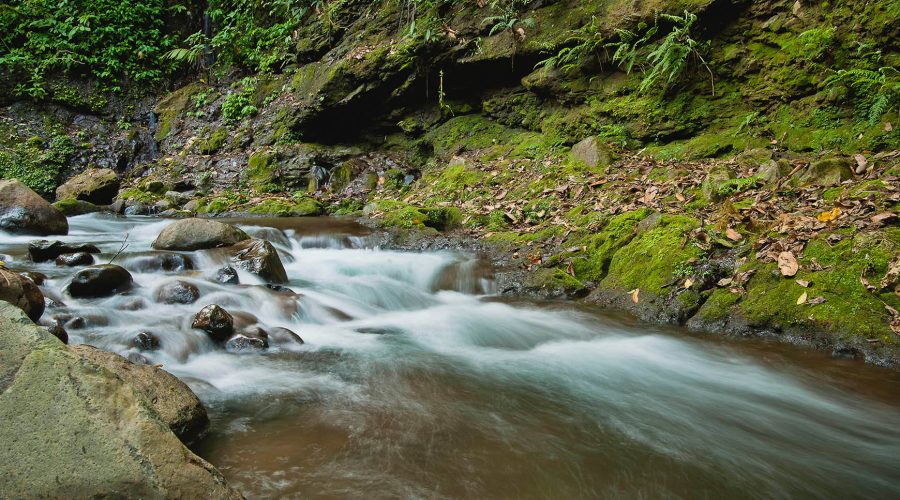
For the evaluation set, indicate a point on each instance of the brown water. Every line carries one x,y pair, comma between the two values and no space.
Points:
416,383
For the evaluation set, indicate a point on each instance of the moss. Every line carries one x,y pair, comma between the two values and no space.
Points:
71,206
170,108
556,281
849,309
139,195
261,172
649,261
719,305
297,206
213,141
600,247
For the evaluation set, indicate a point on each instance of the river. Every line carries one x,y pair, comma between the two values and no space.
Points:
415,381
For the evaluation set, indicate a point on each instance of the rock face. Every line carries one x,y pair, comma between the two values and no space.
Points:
74,429
43,250
260,258
215,321
23,211
198,234
100,281
95,185
22,293
171,398
177,292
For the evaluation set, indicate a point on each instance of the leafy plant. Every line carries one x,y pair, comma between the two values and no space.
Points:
580,44
239,105
876,92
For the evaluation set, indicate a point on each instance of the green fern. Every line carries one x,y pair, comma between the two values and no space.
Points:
876,92
580,44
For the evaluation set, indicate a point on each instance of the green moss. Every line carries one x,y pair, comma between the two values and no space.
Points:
554,280
261,172
719,305
600,247
849,309
71,206
139,195
170,108
213,141
649,261
297,206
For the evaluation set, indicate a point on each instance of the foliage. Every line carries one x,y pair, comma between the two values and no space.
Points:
508,19
876,92
666,60
580,44
110,40
239,105
37,163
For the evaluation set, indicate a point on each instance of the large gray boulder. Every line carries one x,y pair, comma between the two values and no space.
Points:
74,429
21,292
23,211
95,185
198,234
260,258
171,398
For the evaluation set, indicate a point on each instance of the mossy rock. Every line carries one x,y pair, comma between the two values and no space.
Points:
213,142
826,173
600,247
71,206
296,207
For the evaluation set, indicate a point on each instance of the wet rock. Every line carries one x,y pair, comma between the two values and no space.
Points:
243,319
104,428
198,234
161,262
826,173
100,281
145,341
23,211
280,336
271,234
44,250
847,352
71,322
227,276
22,293
70,207
59,332
137,358
95,185
260,258
118,206
593,152
191,206
177,292
75,259
280,289
36,277
132,304
249,339
215,321
178,199
171,398
137,209
772,171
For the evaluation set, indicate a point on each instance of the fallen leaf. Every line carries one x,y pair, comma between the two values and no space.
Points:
733,235
892,275
865,283
787,264
830,215
883,218
861,163
816,301
888,127
634,295
725,282
570,269
688,283
680,197
802,299
803,283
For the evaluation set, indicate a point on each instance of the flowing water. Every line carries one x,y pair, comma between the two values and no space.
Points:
415,382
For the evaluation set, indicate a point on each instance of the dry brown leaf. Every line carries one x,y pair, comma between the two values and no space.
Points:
803,283
861,163
787,264
733,235
680,197
884,218
816,301
634,295
688,283
724,282
802,299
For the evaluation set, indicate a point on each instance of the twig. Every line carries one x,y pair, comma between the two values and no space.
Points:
123,247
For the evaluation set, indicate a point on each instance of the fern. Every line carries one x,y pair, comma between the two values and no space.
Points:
876,92
580,44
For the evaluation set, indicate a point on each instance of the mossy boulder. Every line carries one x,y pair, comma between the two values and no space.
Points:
297,206
95,185
593,152
715,181
24,211
826,173
71,206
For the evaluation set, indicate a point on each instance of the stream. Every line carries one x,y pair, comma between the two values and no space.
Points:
415,381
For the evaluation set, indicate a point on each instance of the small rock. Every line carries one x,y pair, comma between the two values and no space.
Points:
75,259
227,276
137,359
137,208
281,335
826,173
198,234
593,152
177,292
22,293
132,304
260,258
44,250
71,207
59,332
75,323
100,281
167,262
96,185
250,339
23,211
215,321
270,234
145,341
715,179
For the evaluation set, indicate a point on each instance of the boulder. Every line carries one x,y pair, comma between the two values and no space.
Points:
281,335
260,258
38,278
70,207
714,182
100,281
249,339
270,234
73,428
177,292
44,250
22,293
826,173
593,152
145,341
168,262
227,276
23,211
171,398
136,208
75,259
215,321
198,234
95,185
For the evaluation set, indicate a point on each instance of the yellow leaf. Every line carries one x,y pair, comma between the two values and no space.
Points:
829,216
688,283
802,299
634,295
